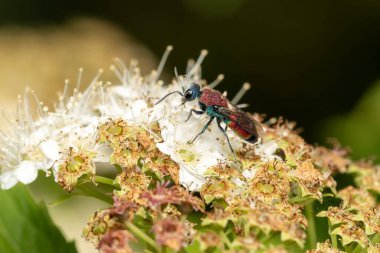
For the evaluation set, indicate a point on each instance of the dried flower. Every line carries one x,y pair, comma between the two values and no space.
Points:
76,164
324,247
116,241
99,223
177,195
359,199
170,232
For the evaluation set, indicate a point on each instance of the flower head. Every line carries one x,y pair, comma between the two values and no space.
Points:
170,232
28,145
116,241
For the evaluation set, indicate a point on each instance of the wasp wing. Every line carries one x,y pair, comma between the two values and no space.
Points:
242,119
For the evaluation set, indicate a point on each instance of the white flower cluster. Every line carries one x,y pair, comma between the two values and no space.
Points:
40,142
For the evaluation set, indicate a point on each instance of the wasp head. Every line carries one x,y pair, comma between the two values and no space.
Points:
192,93
189,95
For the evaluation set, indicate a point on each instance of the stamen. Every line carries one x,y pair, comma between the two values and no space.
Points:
40,111
120,69
241,106
176,75
197,64
116,71
240,94
151,132
190,64
95,80
162,63
18,109
216,81
120,64
134,63
67,82
27,114
80,72
179,80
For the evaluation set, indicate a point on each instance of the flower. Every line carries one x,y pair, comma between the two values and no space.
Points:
170,232
116,241
172,185
27,146
177,130
193,159
163,194
131,100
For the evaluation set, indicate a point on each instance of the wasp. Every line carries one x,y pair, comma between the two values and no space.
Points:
217,107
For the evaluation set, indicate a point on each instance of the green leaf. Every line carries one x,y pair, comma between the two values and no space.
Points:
27,227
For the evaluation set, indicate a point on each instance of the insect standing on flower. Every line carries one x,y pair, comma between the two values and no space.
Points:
216,106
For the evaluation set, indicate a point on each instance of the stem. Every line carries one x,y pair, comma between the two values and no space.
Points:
104,180
135,230
95,194
226,240
118,169
357,249
334,239
375,239
268,238
311,229
347,248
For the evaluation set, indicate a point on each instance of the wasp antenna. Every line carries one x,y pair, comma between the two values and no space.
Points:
241,92
159,101
216,81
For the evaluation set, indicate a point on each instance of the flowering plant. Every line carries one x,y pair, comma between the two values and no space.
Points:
167,195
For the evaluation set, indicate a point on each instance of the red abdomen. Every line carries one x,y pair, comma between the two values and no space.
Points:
211,97
241,132
237,129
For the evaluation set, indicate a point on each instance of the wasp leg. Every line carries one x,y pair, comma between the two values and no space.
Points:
218,121
203,130
191,113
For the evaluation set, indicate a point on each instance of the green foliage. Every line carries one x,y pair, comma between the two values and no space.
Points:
359,129
27,227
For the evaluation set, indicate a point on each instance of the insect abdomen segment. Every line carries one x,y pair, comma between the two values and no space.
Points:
238,130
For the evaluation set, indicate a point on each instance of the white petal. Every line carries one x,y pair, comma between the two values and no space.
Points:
165,148
26,172
238,182
189,180
8,180
268,148
122,91
50,149
249,174
139,106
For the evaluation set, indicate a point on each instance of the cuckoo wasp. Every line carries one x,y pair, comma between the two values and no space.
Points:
216,106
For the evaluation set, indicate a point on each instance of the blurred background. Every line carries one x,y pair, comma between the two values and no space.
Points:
314,62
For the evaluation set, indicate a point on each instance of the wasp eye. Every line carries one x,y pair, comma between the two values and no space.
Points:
188,94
